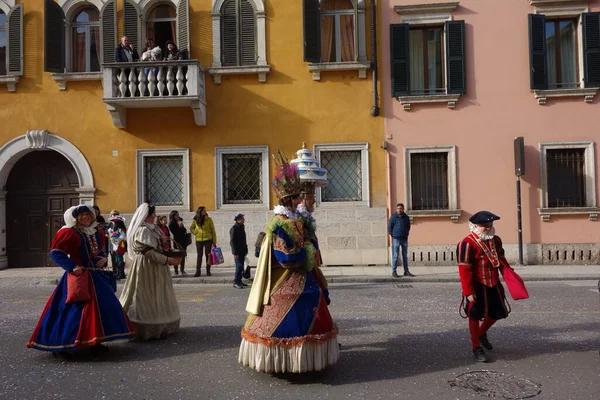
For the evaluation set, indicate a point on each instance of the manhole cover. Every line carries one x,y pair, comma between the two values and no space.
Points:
497,384
403,286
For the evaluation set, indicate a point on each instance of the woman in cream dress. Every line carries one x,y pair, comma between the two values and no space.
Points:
148,297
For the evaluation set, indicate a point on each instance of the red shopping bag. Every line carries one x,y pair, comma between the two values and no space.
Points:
514,283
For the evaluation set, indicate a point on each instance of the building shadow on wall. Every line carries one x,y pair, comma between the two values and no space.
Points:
532,178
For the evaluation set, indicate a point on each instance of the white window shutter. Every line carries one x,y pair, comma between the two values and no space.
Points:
108,36
14,61
183,28
247,33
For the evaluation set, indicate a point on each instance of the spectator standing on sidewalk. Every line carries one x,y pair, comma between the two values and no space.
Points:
203,228
399,229
239,249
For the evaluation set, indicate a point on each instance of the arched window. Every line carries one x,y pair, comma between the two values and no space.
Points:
161,25
238,33
85,31
2,43
337,31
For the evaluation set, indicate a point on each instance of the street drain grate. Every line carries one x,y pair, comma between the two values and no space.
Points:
497,384
403,286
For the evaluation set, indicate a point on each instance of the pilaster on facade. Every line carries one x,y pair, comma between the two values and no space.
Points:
587,94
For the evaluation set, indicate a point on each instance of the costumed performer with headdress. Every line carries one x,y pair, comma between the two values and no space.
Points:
289,328
78,247
148,296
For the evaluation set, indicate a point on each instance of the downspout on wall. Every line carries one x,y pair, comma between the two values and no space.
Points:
375,109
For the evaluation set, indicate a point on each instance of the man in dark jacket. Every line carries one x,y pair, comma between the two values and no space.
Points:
399,228
125,52
239,248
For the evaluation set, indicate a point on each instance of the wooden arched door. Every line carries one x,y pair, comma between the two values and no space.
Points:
40,187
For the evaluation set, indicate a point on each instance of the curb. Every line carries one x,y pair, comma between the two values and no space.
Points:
330,279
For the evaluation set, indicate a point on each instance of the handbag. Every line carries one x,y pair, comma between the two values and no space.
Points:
78,287
246,273
216,255
514,283
188,239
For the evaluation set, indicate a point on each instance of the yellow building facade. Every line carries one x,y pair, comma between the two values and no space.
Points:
206,134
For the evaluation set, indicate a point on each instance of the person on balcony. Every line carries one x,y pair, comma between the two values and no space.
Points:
125,52
172,53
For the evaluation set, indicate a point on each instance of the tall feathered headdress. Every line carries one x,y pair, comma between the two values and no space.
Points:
287,180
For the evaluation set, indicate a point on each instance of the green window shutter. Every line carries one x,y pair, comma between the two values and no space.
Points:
54,37
455,57
229,34
591,49
183,28
399,56
131,24
312,30
538,78
108,24
248,33
14,32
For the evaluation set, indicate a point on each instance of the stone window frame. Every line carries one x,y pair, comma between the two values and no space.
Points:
573,9
262,68
260,149
363,147
453,211
591,207
142,154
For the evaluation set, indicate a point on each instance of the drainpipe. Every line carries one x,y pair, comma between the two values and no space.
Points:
375,108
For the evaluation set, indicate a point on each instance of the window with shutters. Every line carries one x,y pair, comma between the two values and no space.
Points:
163,178
238,33
430,181
85,39
334,36
239,45
427,53
242,177
79,36
11,44
564,52
3,41
568,177
347,172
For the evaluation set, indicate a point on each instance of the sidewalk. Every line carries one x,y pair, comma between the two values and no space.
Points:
334,274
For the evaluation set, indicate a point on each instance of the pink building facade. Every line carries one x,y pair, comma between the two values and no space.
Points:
461,80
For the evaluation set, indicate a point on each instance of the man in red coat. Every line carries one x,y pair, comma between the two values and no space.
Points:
479,256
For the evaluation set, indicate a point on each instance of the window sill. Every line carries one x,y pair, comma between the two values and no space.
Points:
342,204
552,2
11,82
592,212
62,79
587,93
451,99
453,214
242,207
317,68
261,70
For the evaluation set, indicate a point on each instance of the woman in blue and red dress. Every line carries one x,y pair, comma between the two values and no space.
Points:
77,246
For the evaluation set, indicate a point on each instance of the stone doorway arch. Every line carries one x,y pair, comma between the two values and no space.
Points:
35,140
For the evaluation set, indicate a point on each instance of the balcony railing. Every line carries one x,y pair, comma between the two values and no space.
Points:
154,84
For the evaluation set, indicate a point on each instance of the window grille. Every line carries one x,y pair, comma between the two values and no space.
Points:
429,181
163,180
242,179
566,177
344,171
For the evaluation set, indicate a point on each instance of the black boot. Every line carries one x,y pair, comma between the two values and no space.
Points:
483,339
480,355
121,269
198,271
208,271
176,268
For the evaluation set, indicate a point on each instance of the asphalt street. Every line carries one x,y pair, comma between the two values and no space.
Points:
399,341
